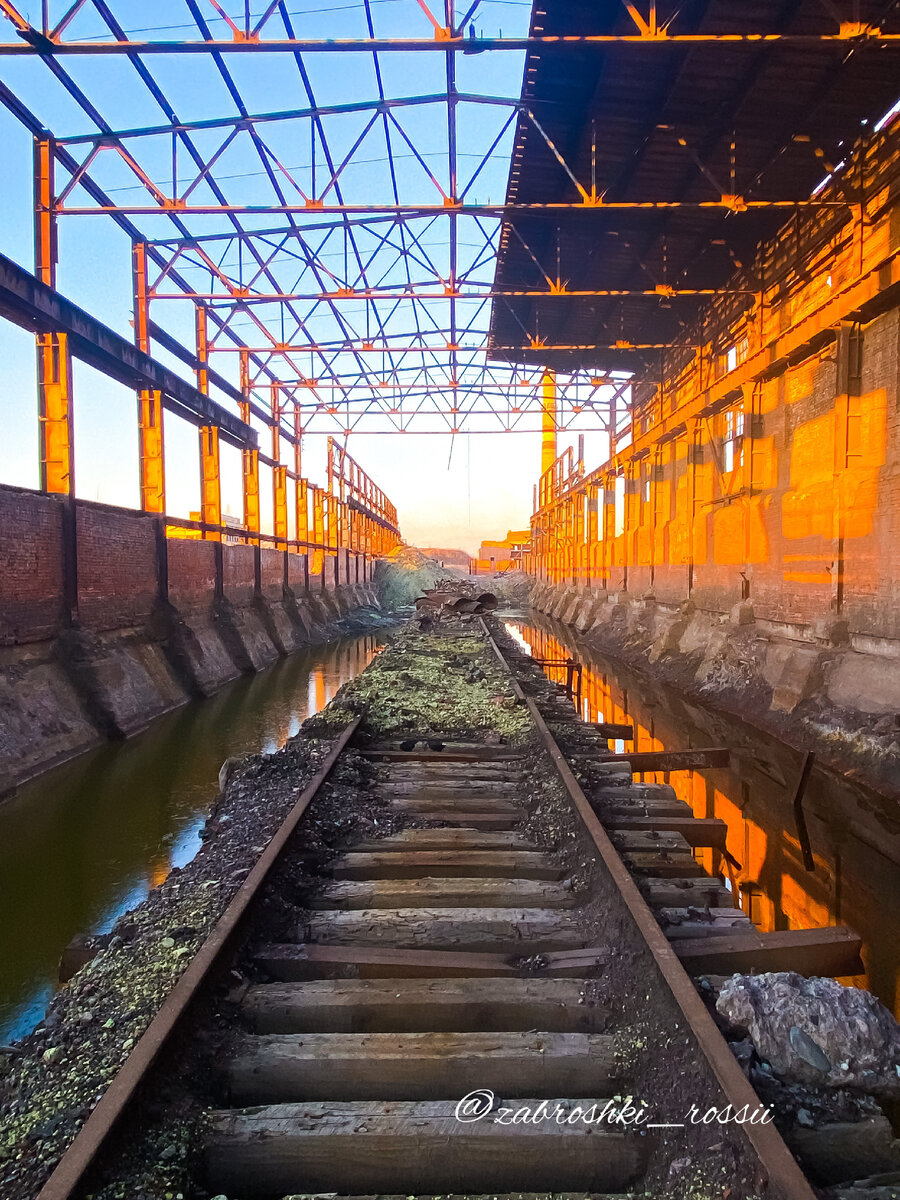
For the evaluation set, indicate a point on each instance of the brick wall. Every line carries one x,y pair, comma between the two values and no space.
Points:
297,572
117,571
271,573
238,573
31,566
192,574
118,582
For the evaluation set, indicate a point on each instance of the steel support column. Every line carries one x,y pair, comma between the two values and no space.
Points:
54,362
249,461
151,446
210,474
318,501
548,421
279,472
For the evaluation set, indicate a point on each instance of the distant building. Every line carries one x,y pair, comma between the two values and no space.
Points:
503,556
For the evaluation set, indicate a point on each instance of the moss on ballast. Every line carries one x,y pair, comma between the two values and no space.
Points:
434,684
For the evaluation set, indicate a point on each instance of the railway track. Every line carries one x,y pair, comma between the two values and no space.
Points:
452,959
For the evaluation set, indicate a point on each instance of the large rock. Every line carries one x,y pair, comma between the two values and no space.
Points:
815,1031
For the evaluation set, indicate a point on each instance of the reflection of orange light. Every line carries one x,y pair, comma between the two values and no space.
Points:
159,869
770,893
801,910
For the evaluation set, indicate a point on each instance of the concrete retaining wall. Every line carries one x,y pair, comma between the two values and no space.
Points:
813,685
105,623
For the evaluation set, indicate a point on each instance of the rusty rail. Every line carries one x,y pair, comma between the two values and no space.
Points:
777,1161
72,1168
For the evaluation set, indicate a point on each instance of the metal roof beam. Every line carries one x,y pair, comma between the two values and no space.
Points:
35,43
38,308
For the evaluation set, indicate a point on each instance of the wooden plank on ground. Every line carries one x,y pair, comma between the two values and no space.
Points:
609,808
443,892
648,842
830,951
664,865
450,754
664,760
624,792
419,1005
292,961
699,890
681,923
425,804
467,864
484,774
503,789
460,838
471,820
409,1147
504,930
696,831
275,1068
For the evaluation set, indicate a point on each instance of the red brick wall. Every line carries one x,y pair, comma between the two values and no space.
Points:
238,573
31,580
118,583
192,574
117,571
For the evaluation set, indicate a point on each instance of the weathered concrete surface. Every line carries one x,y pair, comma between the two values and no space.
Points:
809,683
61,696
42,721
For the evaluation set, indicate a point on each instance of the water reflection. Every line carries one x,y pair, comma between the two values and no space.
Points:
854,832
85,842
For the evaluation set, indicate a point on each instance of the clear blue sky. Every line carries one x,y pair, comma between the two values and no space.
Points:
449,491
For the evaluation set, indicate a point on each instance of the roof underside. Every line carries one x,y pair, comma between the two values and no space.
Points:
684,123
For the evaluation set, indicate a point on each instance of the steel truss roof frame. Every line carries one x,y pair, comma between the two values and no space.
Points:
350,269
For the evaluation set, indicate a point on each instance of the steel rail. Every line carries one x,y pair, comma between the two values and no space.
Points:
779,1164
72,1168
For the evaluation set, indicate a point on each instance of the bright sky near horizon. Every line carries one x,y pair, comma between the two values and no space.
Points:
449,490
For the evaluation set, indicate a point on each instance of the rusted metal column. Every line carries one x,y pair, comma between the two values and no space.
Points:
279,473
548,421
54,362
249,460
331,539
150,409
210,474
318,501
210,483
593,541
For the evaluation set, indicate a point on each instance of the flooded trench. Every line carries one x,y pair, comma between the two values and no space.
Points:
85,842
854,832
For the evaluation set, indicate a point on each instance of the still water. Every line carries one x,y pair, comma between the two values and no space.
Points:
854,832
87,841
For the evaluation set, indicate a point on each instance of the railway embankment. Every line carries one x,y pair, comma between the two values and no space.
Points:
464,825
